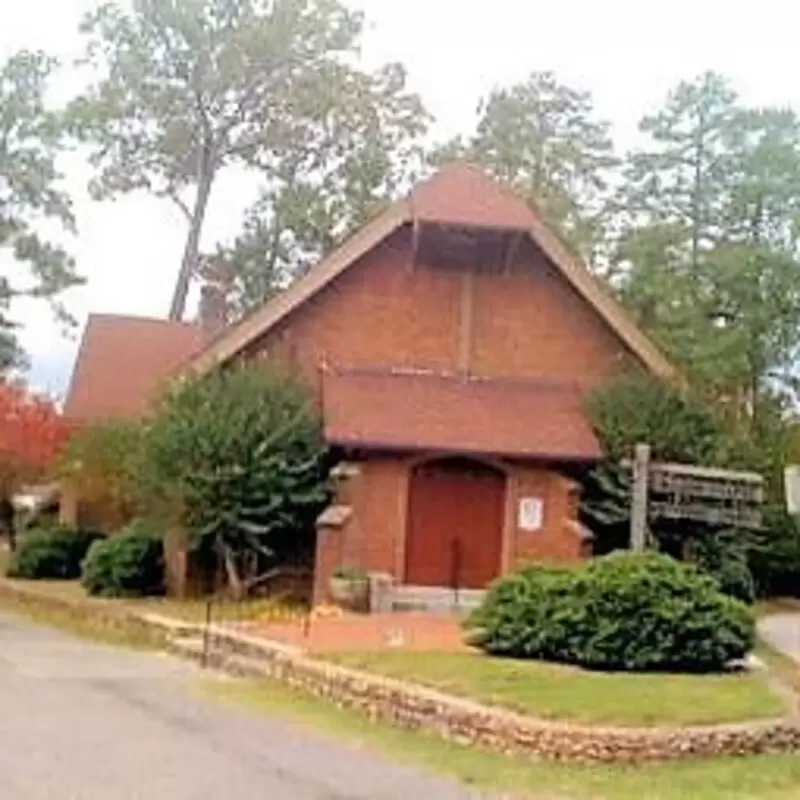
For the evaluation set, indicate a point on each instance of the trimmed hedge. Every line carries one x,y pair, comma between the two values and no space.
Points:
51,553
624,611
129,564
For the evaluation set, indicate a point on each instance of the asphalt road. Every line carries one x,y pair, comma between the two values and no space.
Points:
85,722
782,631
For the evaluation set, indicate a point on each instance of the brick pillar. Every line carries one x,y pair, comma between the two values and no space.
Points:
327,558
335,530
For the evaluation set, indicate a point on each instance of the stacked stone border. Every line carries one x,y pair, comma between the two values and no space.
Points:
415,707
95,615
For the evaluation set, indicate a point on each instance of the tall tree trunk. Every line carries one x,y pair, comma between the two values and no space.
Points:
235,581
192,248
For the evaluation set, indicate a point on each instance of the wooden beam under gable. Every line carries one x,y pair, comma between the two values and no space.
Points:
513,243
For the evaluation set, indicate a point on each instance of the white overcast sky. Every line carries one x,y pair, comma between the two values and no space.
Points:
628,53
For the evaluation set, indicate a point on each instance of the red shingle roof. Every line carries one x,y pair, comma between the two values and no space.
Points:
447,413
122,362
463,195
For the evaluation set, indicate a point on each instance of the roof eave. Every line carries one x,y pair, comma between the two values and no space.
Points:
523,455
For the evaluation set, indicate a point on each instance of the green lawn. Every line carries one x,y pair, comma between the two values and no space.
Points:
752,778
194,610
190,610
559,692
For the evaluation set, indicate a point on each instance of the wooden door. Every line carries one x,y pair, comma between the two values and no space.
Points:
455,524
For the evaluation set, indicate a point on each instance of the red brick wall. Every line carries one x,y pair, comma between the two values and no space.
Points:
383,514
373,537
328,557
557,541
385,312
379,312
532,323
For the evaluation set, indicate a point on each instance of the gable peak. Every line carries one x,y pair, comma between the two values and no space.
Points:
463,195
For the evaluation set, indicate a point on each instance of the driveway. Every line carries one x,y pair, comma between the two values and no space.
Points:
782,631
83,722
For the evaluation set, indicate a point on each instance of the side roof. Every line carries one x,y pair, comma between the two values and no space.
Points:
459,194
120,363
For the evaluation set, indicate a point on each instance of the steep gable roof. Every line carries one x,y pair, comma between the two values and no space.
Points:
121,362
460,195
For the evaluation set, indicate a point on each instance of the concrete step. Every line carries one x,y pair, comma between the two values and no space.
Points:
435,599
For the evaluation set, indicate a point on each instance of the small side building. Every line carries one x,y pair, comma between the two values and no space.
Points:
122,364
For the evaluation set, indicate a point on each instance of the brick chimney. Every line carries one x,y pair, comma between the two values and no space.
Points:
213,312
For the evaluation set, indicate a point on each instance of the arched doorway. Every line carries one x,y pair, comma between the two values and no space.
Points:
455,524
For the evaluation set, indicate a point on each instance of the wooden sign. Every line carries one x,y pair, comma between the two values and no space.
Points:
708,495
719,497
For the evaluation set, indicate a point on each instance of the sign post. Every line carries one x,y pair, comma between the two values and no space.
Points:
641,475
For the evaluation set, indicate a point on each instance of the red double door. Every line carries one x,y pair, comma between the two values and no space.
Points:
454,538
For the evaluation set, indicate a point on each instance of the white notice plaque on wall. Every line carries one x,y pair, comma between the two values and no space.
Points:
530,513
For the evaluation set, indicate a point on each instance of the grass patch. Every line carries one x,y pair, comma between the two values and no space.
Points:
762,777
785,669
85,622
194,609
188,610
70,591
554,691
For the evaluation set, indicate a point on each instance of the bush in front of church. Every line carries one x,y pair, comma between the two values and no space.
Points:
624,611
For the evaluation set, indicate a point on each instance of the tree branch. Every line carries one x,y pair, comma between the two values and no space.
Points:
173,195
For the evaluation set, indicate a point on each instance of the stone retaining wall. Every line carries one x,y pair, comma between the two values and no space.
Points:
101,616
418,708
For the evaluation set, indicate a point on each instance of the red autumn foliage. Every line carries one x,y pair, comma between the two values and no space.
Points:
32,433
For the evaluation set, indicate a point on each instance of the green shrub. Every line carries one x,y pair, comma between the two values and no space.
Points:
734,579
51,553
239,456
130,564
521,614
622,611
774,557
723,556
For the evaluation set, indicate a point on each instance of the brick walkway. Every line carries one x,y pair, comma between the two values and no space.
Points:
407,631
